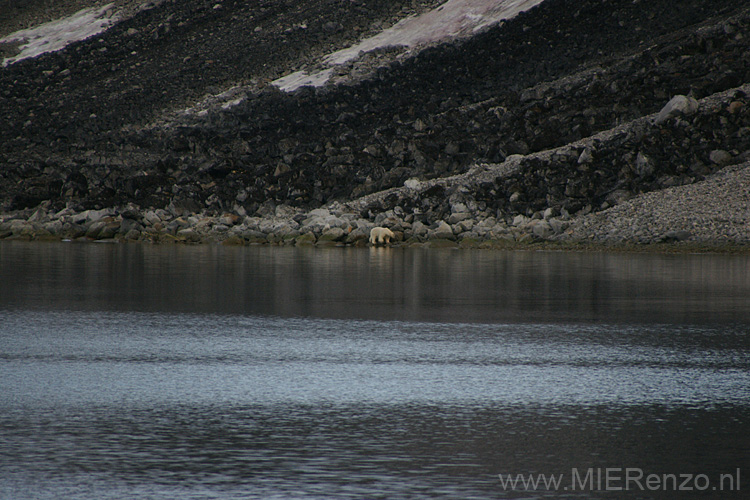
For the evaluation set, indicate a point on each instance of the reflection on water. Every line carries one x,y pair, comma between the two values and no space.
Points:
379,283
267,373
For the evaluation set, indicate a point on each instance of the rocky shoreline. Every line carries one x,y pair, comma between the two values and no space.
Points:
464,211
655,222
616,126
710,215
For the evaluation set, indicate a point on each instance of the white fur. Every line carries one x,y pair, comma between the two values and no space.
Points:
380,235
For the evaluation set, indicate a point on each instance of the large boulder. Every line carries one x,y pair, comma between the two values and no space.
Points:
679,105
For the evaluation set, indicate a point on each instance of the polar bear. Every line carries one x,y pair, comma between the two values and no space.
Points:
380,235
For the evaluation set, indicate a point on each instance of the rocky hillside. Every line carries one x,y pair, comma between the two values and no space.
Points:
550,114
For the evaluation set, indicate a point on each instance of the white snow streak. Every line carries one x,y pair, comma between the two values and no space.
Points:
453,19
55,35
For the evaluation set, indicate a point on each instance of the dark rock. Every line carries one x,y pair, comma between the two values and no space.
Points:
307,239
333,234
676,236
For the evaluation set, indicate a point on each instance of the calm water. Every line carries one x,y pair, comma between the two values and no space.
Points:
131,371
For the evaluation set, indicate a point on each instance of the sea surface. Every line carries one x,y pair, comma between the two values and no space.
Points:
209,372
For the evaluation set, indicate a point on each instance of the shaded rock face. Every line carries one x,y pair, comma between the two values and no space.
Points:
680,150
538,193
561,72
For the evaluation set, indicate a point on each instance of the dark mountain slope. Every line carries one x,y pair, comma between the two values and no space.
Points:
455,104
555,74
168,56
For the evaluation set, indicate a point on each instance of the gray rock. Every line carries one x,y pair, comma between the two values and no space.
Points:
465,225
265,226
72,230
484,226
382,218
239,210
520,220
128,225
241,196
267,209
558,226
469,235
163,214
39,216
306,239
285,211
720,157
586,157
412,184
358,234
65,212
455,218
94,215
95,228
54,227
279,238
150,218
253,236
677,236
679,105
643,165
322,221
286,228
542,229
319,212
229,219
133,234
334,221
419,229
332,234
20,227
183,206
109,230
459,208
442,231
363,224
287,239
79,218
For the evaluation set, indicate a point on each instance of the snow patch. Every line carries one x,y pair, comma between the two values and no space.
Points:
453,19
299,79
55,35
